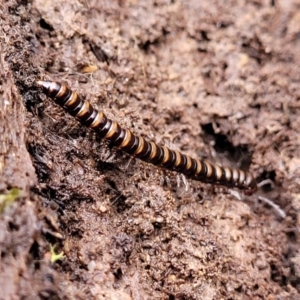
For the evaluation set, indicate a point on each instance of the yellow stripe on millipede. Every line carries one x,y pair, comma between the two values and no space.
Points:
73,98
140,147
127,139
153,150
61,92
98,119
84,109
112,130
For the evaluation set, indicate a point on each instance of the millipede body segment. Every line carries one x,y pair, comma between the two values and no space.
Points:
139,147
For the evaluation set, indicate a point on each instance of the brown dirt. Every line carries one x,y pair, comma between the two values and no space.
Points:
219,81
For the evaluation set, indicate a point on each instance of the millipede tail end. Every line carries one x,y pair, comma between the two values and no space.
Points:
250,185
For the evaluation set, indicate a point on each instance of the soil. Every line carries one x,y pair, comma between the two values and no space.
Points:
214,79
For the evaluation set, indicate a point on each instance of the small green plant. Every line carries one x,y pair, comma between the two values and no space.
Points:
55,257
8,198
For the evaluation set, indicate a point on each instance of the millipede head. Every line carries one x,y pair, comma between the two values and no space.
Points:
45,85
50,88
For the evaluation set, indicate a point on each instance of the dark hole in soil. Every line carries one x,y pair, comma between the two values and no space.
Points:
295,281
103,166
45,25
49,277
118,200
13,226
204,35
39,162
34,251
291,235
157,225
267,175
239,155
118,274
277,276
239,289
50,238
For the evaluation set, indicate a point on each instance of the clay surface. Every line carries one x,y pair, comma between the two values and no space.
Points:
218,80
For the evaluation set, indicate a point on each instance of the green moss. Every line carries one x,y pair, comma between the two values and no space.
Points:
55,257
8,198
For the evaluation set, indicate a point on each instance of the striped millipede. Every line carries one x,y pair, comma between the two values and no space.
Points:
150,152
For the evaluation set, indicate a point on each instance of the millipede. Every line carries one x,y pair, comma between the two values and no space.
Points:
139,147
